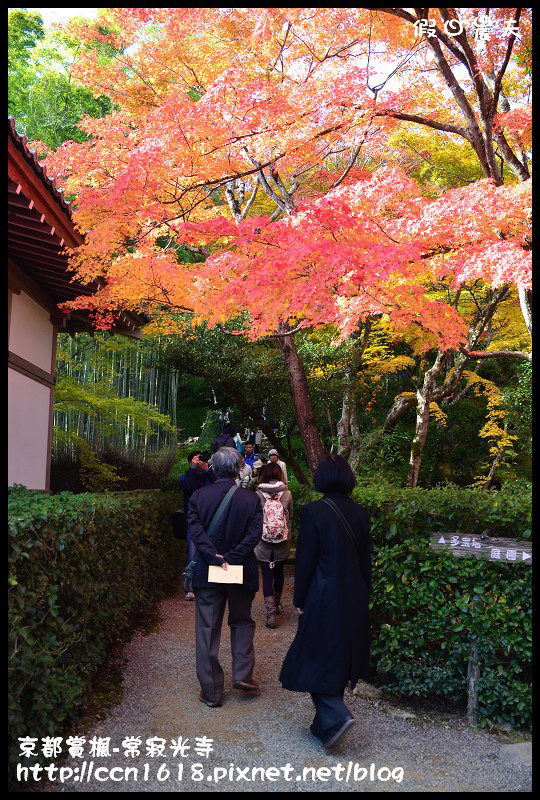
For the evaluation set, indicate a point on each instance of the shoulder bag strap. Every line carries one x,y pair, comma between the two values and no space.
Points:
346,525
221,508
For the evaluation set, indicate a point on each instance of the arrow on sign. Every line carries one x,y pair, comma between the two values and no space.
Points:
525,555
442,540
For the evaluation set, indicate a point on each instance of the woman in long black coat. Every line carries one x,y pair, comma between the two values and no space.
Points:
331,593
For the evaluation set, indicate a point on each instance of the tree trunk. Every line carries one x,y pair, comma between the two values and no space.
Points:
525,298
401,404
356,439
344,424
423,400
301,400
332,427
348,430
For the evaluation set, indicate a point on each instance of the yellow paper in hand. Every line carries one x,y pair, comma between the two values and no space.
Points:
233,574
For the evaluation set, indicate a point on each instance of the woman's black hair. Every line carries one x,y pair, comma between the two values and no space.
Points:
334,474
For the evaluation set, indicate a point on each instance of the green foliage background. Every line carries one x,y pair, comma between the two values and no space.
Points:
46,104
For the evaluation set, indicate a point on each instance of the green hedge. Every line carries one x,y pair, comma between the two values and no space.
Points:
427,608
80,566
415,513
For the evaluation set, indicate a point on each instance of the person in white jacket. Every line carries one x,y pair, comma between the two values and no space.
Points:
245,474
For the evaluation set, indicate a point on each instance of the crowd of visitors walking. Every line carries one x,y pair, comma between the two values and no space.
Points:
237,515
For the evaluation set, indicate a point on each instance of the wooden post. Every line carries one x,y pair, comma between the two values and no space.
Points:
473,673
473,669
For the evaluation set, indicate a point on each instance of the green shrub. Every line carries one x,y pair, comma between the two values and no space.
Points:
427,610
80,566
95,474
209,430
398,514
424,611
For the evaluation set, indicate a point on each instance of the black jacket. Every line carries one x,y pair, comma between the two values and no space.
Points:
191,480
237,533
332,585
223,440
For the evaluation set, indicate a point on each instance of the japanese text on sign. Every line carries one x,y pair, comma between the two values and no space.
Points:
483,27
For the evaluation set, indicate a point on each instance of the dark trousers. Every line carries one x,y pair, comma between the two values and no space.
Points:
273,578
331,713
210,608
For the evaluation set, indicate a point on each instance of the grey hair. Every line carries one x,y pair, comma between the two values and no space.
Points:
226,462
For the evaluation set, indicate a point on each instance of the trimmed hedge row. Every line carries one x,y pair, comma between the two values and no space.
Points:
428,608
79,567
416,513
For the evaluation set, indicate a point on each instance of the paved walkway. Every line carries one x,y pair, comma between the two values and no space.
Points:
382,752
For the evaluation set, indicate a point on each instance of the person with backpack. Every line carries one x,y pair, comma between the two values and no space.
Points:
274,546
225,439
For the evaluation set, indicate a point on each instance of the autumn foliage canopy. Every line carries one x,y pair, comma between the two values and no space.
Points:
236,134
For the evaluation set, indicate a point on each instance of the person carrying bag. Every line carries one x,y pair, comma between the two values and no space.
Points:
274,546
225,523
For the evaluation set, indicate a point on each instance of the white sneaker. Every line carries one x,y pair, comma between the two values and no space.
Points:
189,596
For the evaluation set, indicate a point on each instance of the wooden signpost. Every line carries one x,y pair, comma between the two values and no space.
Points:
490,549
487,547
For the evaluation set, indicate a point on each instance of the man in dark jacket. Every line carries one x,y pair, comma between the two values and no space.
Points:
232,541
197,475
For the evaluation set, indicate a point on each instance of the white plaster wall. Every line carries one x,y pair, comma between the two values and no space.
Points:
31,334
28,430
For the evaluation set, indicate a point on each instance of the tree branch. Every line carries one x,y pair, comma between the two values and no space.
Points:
431,123
496,354
500,74
348,169
300,327
250,201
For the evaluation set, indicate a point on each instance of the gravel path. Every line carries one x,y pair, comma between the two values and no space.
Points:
271,730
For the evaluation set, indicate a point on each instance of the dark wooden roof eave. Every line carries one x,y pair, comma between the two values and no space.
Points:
40,226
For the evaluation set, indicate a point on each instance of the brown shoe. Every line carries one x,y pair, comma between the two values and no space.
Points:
208,702
246,686
271,611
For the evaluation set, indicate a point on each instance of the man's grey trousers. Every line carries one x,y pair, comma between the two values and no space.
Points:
210,608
